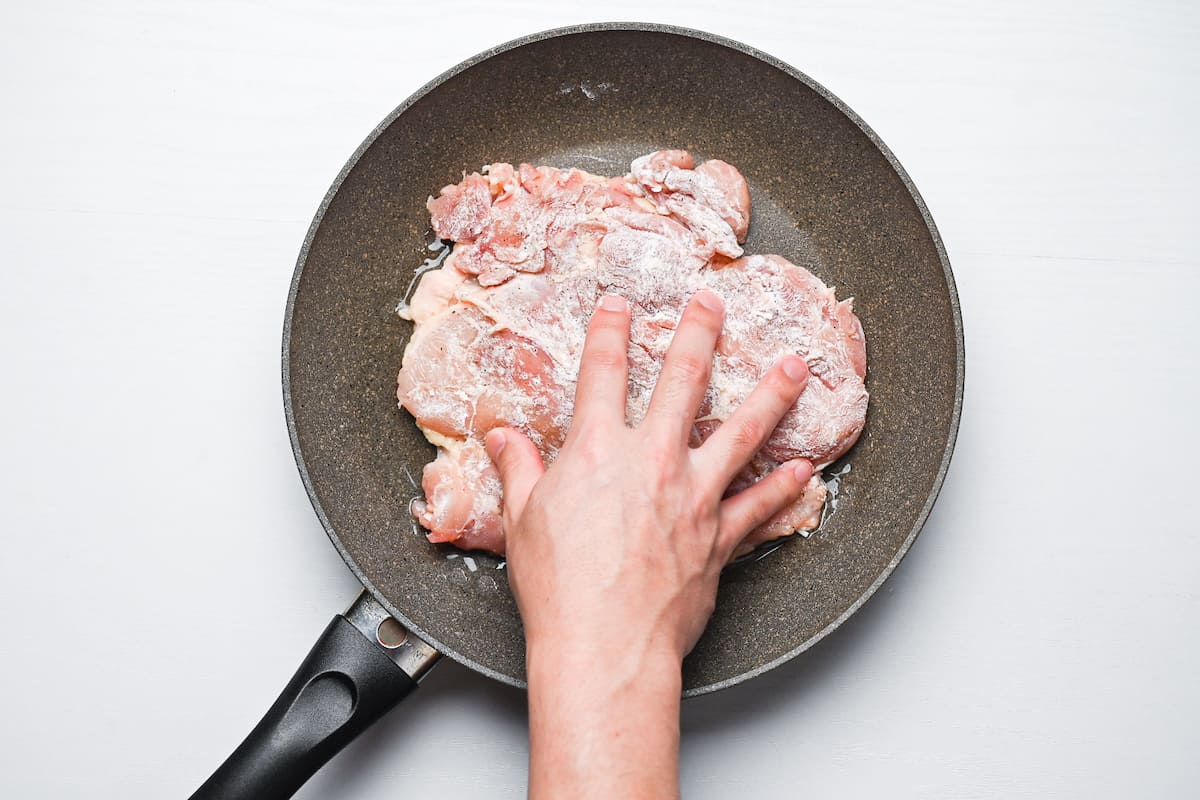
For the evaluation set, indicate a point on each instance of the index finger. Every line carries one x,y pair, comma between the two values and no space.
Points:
604,366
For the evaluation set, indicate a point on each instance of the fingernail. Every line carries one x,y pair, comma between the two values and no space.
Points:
710,300
795,368
612,302
802,470
495,444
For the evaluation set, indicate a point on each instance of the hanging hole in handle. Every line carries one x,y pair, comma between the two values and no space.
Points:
325,704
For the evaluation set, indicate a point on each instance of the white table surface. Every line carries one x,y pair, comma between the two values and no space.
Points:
163,572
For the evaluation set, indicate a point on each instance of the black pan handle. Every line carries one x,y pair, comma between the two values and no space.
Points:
362,666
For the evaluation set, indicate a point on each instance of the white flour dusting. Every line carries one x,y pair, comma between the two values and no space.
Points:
500,322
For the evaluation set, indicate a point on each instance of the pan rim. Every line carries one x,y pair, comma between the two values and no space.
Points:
910,187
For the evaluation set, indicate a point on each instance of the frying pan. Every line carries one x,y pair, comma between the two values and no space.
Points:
827,194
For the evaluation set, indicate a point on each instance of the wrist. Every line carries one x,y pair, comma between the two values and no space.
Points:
614,658
590,650
604,717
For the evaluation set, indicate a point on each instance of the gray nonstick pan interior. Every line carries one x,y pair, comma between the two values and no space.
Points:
827,194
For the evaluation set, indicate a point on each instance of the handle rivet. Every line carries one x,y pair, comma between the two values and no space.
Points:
391,634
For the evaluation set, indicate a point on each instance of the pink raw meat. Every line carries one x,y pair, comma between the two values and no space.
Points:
500,326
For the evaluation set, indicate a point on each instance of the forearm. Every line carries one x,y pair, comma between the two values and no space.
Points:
603,727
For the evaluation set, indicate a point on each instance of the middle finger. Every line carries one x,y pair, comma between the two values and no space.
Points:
687,367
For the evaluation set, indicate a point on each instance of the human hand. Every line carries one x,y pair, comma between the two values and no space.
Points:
616,549
623,538
614,552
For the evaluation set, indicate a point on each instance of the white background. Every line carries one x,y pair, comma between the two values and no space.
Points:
163,573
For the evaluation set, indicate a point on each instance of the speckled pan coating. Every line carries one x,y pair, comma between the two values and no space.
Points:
827,194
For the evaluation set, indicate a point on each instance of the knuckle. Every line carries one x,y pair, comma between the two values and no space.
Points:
690,367
589,441
765,506
661,461
749,434
783,489
605,357
660,471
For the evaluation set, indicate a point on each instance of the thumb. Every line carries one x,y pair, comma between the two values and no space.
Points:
519,464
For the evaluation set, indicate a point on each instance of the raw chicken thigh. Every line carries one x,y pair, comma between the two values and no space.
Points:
499,328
